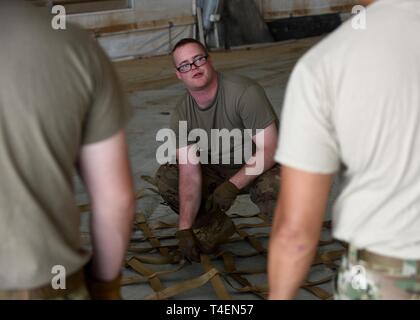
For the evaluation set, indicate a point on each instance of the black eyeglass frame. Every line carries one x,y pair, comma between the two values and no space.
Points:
193,63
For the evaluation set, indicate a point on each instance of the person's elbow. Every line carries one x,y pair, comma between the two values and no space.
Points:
126,204
294,238
120,203
286,233
269,151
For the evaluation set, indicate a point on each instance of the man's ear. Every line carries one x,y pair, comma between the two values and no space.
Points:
178,74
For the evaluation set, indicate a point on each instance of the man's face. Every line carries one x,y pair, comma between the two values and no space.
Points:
198,78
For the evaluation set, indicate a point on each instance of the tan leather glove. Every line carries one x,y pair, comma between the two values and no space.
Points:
222,198
102,290
188,245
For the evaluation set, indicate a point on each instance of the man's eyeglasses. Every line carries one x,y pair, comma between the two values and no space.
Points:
198,62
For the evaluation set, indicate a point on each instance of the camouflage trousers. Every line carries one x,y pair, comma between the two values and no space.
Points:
263,191
75,290
367,276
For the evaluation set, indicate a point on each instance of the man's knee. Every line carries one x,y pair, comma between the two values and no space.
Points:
265,189
166,178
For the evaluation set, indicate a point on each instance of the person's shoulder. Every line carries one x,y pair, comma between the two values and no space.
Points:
349,36
237,83
68,50
37,22
236,79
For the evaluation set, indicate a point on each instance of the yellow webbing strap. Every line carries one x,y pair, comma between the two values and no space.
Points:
326,279
319,292
162,225
140,249
142,224
216,281
329,257
152,259
212,274
86,207
149,179
139,279
253,241
128,280
147,273
264,218
252,225
263,289
183,286
249,271
229,263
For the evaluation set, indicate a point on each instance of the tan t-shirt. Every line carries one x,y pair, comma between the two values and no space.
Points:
58,91
353,101
240,104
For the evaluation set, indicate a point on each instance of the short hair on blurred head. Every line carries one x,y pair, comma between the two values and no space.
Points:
186,41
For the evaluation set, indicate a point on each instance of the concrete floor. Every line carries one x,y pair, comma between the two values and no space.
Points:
153,90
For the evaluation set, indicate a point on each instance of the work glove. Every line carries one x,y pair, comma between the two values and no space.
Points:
188,245
102,290
222,198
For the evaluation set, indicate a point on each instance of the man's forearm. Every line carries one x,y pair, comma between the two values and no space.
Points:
189,199
105,169
290,257
300,210
241,179
111,228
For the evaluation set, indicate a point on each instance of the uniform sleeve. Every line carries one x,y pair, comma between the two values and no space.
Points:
307,137
174,124
255,109
180,126
109,110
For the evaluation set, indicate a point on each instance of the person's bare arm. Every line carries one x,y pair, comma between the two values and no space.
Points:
104,168
266,144
190,182
296,229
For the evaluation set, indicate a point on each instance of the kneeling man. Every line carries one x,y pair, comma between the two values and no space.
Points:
207,178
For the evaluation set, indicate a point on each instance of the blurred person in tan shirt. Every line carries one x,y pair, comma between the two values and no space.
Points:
61,108
352,107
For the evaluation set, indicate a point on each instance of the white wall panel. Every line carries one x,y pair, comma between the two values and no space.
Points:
144,28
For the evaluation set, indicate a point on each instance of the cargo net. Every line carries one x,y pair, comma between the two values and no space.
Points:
154,269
